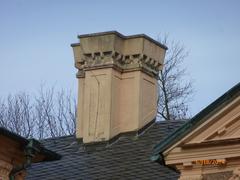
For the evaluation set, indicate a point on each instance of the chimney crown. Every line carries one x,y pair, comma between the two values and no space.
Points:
125,53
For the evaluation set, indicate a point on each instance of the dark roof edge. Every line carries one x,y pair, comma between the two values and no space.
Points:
49,155
13,136
123,37
195,121
75,44
55,138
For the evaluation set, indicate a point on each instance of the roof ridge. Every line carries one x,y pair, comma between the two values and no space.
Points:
56,138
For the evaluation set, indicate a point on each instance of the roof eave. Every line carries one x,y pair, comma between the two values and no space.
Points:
49,155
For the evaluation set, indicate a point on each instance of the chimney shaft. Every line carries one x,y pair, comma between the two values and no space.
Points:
117,83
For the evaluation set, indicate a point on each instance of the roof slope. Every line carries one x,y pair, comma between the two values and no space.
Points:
126,158
200,118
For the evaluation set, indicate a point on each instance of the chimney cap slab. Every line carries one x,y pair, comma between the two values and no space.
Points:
123,37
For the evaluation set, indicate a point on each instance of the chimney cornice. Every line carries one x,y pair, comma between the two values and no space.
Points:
124,53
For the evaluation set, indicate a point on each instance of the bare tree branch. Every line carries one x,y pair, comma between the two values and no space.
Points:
175,87
47,114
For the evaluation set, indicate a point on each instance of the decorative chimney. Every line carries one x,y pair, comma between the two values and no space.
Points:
117,79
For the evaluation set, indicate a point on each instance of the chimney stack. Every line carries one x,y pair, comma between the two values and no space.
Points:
117,83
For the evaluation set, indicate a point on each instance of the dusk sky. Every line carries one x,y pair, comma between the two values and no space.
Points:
35,38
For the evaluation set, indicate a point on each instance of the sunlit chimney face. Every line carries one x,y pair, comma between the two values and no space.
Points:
117,83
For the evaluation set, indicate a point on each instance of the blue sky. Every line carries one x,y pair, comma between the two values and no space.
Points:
35,38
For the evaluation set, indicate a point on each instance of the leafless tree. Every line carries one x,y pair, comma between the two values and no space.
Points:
15,114
47,114
175,86
56,113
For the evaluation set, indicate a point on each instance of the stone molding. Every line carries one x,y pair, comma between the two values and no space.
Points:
123,53
120,62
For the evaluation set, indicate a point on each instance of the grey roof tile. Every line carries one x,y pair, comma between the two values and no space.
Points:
127,158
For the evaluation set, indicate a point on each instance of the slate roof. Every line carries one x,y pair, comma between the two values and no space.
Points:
126,158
